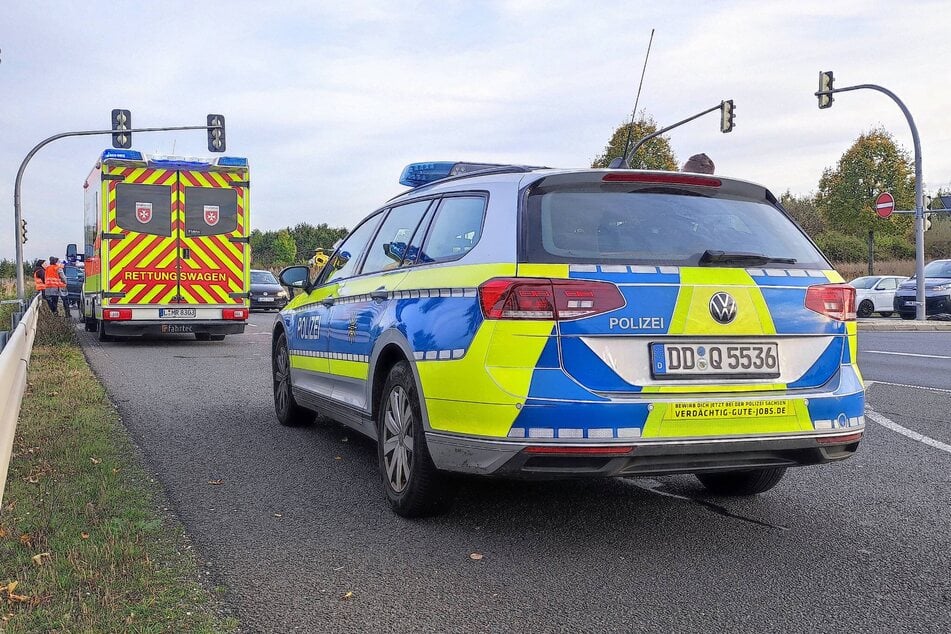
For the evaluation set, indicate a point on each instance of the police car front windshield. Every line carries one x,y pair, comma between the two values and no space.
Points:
660,228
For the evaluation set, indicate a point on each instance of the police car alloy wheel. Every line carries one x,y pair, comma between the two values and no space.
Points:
288,412
413,485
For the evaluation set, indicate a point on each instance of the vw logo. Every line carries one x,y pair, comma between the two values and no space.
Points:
723,307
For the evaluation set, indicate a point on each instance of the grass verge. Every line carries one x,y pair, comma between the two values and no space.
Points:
83,544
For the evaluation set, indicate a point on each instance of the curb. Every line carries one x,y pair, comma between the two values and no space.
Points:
891,325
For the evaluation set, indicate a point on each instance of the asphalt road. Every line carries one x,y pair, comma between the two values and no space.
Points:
299,520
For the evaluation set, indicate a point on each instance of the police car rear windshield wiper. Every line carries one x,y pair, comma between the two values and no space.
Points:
710,257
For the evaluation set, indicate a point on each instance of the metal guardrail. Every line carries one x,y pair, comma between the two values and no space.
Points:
14,359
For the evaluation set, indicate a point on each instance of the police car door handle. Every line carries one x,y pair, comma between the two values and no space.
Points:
379,294
327,301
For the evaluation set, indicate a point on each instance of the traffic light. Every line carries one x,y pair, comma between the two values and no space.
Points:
927,222
825,89
121,123
22,230
216,133
726,116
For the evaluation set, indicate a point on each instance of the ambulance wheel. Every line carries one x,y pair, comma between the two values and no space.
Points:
91,323
289,413
885,313
742,482
101,331
413,485
866,308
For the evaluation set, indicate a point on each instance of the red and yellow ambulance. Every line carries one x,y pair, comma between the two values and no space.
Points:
166,246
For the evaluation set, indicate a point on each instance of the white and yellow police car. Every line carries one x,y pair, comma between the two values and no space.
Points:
534,322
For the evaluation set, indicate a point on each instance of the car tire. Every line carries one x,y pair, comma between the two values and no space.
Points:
414,486
885,313
866,308
101,332
742,482
907,315
289,413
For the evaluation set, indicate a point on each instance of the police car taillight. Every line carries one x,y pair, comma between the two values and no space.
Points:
116,314
836,301
236,314
539,298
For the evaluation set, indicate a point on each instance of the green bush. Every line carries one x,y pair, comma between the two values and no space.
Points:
839,247
894,248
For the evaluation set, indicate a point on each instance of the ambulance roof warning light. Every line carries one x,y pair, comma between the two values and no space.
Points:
122,155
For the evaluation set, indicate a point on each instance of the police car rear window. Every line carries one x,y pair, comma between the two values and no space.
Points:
663,226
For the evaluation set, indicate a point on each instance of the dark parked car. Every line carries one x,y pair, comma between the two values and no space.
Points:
937,291
266,291
75,277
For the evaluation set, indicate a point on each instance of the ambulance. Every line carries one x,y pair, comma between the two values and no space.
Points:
166,246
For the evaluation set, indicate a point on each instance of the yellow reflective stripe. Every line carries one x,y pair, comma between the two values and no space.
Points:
554,271
833,276
154,252
156,289
691,315
350,369
311,364
657,426
455,276
167,297
188,297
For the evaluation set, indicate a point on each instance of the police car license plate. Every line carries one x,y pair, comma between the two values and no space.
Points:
177,313
702,360
265,299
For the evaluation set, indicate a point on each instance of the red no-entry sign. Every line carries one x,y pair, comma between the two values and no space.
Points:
884,205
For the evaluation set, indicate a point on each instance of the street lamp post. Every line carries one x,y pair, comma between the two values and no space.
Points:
17,214
824,94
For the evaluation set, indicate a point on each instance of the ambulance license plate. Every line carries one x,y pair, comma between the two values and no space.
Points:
173,328
720,360
177,313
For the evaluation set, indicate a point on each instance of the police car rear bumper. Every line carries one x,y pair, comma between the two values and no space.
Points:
140,327
643,457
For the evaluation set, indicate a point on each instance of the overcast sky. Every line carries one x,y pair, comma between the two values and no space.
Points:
329,100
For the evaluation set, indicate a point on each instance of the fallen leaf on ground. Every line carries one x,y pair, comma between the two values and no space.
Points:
216,482
25,539
39,558
278,515
347,596
116,470
96,460
3,533
84,535
475,556
10,587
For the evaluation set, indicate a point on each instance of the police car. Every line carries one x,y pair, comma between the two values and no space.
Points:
543,323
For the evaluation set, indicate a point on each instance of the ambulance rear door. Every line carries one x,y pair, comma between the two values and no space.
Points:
213,234
139,240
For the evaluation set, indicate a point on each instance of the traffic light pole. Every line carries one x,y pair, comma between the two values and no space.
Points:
920,312
17,214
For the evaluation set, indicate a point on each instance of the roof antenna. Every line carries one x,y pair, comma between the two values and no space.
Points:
621,161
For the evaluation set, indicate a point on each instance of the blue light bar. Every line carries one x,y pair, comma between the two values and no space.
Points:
232,161
417,174
173,164
123,155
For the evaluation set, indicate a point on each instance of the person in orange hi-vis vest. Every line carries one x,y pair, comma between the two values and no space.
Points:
54,283
39,276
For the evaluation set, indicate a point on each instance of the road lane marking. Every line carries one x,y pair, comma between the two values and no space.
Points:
905,354
904,431
914,387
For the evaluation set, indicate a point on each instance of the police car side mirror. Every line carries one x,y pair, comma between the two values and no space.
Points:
295,277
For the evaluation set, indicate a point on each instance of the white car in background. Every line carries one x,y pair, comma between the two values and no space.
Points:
876,294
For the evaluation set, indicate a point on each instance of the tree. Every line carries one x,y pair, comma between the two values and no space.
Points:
308,238
872,165
284,248
803,210
656,154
